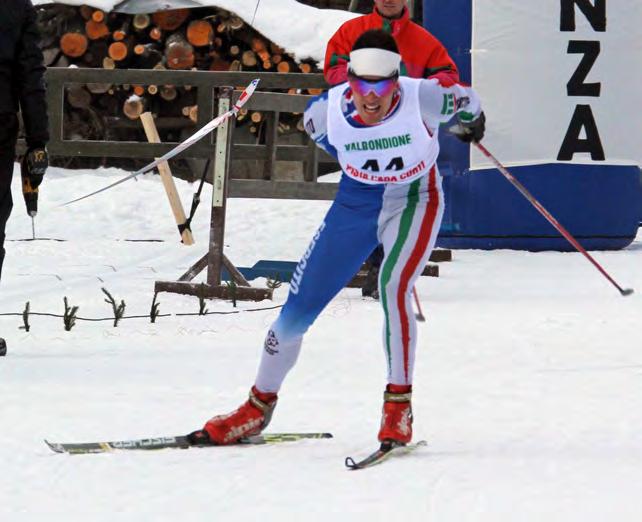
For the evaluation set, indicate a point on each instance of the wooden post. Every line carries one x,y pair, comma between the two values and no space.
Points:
168,181
219,190
271,137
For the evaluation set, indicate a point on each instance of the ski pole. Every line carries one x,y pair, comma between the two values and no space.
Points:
419,315
183,145
550,218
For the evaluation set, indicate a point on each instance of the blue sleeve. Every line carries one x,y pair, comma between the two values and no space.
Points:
315,118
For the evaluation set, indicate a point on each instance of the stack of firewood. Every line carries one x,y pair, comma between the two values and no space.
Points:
203,38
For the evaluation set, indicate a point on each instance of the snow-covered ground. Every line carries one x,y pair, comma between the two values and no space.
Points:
528,384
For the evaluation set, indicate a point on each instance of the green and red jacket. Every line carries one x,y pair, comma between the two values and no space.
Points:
421,53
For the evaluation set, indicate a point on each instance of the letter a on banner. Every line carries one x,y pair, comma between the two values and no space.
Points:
582,119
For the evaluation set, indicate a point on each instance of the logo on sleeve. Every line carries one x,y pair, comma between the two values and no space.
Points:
309,127
449,104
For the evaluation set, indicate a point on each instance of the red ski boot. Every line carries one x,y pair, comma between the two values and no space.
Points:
396,419
250,419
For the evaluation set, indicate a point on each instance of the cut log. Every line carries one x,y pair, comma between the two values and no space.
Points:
78,97
98,16
108,63
152,89
234,23
120,34
147,56
256,117
200,33
141,21
191,111
305,68
156,34
179,54
248,59
234,51
98,88
170,20
283,128
134,106
139,90
51,56
73,44
86,11
119,51
168,92
283,67
258,45
96,30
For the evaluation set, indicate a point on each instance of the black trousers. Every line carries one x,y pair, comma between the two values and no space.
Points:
8,137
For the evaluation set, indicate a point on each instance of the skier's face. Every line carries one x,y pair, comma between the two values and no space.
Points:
390,8
372,96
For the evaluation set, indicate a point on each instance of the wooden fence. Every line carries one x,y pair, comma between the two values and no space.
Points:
206,83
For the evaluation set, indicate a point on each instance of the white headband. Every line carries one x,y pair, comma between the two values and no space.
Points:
372,61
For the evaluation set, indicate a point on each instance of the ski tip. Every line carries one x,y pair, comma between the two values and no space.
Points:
350,463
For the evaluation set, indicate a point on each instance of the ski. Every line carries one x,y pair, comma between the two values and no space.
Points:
387,450
176,442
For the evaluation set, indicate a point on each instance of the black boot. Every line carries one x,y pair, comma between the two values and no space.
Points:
3,347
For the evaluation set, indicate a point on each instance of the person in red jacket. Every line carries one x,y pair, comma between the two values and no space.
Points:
422,54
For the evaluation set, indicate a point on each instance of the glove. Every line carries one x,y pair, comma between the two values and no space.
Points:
468,131
34,164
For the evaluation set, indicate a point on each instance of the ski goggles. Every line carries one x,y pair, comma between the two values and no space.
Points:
380,88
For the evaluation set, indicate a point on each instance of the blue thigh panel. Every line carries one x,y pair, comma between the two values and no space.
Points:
342,243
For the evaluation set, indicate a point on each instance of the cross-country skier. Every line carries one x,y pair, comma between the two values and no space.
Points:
422,56
383,130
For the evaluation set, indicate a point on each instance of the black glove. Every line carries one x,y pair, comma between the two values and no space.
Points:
34,164
468,131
